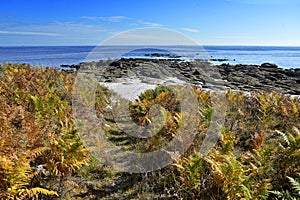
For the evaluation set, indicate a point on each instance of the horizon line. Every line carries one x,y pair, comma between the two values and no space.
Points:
89,45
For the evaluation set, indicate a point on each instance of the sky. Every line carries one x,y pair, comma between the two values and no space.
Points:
208,22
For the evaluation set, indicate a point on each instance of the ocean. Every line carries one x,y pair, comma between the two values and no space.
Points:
54,56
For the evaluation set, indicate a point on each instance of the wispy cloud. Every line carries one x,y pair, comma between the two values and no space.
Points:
56,28
190,30
109,19
150,36
72,27
30,33
153,24
234,37
57,33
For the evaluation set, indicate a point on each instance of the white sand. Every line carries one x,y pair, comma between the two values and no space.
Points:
131,88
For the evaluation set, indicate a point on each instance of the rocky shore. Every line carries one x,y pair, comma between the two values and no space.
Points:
264,77
201,73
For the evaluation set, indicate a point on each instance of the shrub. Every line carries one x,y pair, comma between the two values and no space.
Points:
39,141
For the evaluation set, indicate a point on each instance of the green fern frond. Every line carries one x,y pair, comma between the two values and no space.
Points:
277,193
295,184
284,136
285,195
296,130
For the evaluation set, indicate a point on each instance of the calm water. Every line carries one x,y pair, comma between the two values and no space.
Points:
54,56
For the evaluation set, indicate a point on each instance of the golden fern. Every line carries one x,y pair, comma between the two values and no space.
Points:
32,154
37,190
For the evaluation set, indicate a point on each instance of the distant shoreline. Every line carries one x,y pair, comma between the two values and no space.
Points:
54,56
204,45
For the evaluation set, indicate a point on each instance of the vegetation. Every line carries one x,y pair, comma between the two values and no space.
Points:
39,144
42,156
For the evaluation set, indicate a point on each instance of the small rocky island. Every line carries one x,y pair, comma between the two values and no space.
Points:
266,76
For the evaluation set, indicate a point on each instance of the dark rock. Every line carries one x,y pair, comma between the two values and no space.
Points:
196,72
266,76
219,59
293,72
115,64
268,65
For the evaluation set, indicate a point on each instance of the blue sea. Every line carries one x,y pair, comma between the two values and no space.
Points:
54,56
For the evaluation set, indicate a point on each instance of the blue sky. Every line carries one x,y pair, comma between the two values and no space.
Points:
209,22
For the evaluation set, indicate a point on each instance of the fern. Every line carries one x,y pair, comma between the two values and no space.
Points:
36,116
18,175
295,184
32,154
285,195
37,190
284,136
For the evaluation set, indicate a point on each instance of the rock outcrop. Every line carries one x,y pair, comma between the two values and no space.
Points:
266,76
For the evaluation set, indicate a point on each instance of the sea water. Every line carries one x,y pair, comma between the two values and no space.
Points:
54,56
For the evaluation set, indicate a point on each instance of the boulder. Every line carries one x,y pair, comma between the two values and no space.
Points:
268,65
